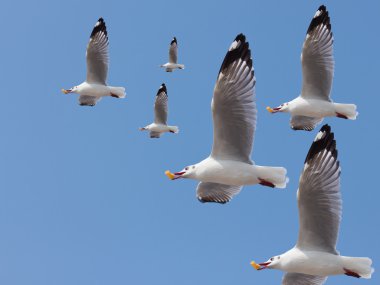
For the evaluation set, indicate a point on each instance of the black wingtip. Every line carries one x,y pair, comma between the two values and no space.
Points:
324,140
100,26
320,17
162,89
207,200
238,49
174,40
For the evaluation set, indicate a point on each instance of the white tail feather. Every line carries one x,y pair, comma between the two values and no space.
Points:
348,110
275,175
174,129
118,91
359,265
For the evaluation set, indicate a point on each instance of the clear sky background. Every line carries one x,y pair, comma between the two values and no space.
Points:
83,195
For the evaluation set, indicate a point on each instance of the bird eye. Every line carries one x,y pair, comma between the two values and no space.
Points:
187,168
193,166
278,257
271,259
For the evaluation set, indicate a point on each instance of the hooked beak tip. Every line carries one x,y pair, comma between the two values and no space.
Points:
270,110
64,91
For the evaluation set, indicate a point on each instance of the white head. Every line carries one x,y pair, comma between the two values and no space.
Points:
282,108
272,263
187,172
71,90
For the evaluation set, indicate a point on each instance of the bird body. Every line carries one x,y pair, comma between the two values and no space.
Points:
316,108
95,86
320,210
317,59
173,54
237,173
159,126
229,166
321,263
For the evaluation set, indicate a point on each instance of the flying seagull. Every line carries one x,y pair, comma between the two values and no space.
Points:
173,51
95,86
160,115
229,166
314,103
315,257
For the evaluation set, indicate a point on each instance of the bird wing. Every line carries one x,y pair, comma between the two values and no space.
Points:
97,54
317,58
173,50
161,106
319,197
233,104
302,279
87,100
304,123
215,192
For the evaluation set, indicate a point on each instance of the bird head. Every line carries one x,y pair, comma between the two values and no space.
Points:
271,263
282,108
71,90
187,172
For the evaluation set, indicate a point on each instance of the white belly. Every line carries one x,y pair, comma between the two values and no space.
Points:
312,262
97,90
312,108
227,172
158,128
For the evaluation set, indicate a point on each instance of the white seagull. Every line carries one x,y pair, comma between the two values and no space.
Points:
317,59
173,51
160,115
315,257
229,165
95,86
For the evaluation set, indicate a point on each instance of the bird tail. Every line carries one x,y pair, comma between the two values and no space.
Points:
118,92
361,266
346,111
173,129
272,176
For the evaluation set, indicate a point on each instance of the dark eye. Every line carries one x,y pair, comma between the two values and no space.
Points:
186,168
271,259
278,257
193,167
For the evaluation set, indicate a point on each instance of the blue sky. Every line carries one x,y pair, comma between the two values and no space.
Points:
83,195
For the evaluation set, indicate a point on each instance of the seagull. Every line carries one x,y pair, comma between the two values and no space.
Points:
229,165
172,64
160,115
314,103
315,257
95,86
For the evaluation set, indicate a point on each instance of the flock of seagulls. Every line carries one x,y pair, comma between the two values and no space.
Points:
229,166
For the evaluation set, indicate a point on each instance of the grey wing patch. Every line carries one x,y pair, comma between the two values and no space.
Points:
233,104
215,192
161,106
173,50
97,54
319,197
304,123
317,57
155,135
302,279
87,100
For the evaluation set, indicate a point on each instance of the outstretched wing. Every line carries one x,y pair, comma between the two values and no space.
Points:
215,192
302,279
317,57
97,54
304,123
87,100
319,197
173,50
161,106
233,104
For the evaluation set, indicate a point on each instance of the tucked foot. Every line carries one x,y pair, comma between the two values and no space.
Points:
339,115
172,132
266,183
351,273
